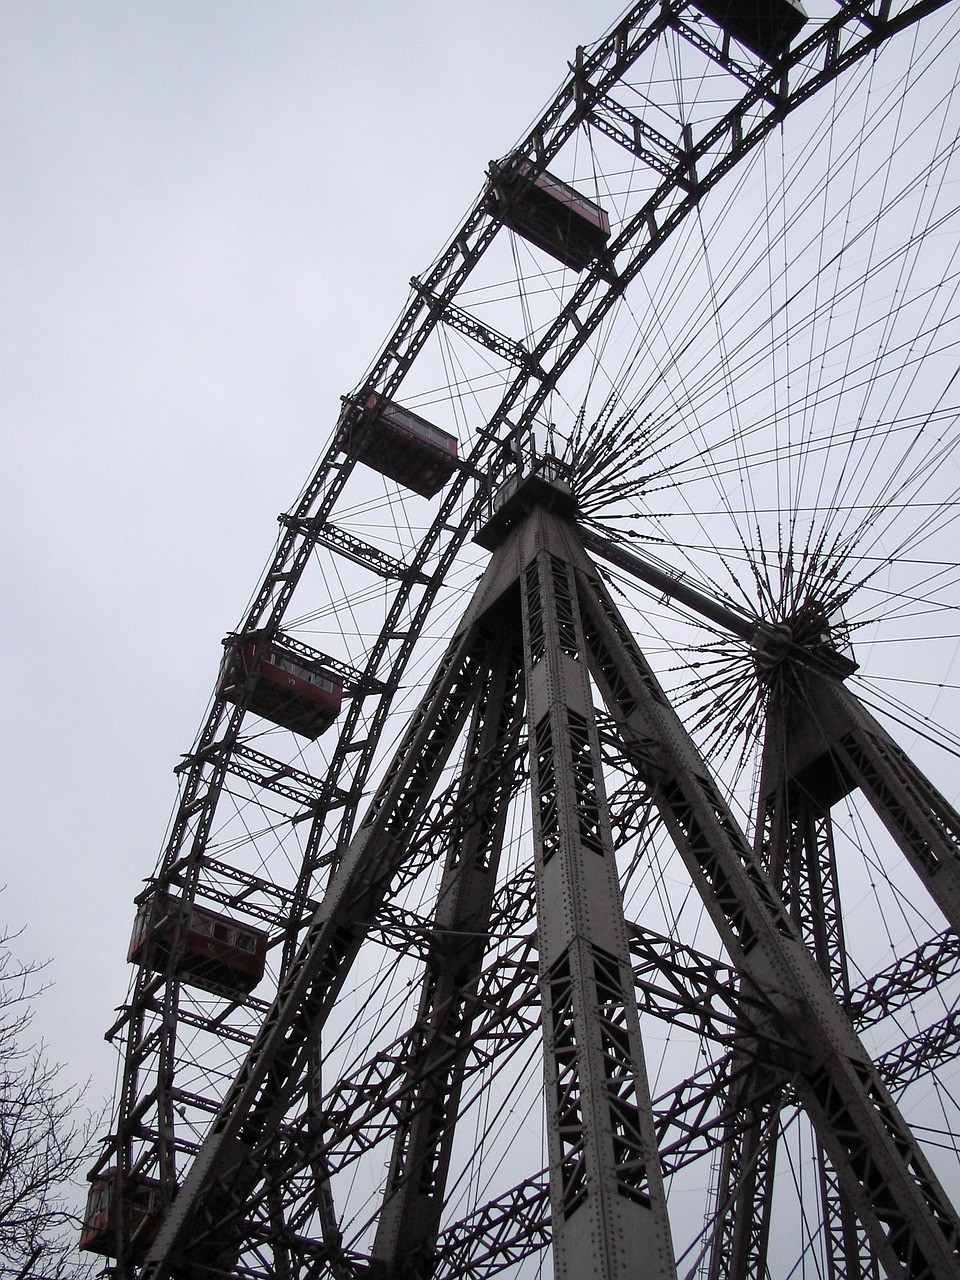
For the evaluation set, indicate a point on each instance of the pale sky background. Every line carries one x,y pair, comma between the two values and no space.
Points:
211,212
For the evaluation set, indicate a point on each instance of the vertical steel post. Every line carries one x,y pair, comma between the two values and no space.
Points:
607,1199
416,1181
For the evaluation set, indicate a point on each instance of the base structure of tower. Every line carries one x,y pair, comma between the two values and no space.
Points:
540,643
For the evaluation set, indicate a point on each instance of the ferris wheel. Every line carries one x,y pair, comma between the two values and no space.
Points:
565,878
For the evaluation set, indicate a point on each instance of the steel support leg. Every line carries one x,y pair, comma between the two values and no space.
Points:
745,1181
410,1218
606,1193
833,744
795,846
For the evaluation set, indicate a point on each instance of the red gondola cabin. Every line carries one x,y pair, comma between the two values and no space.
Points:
288,691
101,1218
765,26
399,444
219,955
548,213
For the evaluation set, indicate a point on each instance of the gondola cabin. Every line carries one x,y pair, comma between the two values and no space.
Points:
101,1219
765,26
220,954
399,444
548,213
288,691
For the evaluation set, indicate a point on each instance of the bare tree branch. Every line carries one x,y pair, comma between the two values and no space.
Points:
45,1138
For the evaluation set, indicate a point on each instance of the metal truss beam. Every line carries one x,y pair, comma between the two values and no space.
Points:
361,1108
456,318
689,989
699,1115
435,1066
911,975
935,1046
503,1232
640,138
282,779
354,549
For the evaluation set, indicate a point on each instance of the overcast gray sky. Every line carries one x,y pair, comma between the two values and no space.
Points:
211,212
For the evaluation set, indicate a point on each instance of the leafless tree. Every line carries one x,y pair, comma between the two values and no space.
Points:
44,1142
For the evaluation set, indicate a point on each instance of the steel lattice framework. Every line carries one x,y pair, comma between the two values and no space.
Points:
566,964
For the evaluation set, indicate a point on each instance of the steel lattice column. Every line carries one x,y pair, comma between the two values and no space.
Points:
745,1180
410,1219
794,845
820,744
606,1191
832,744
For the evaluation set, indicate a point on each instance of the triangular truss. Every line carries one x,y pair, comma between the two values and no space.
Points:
541,634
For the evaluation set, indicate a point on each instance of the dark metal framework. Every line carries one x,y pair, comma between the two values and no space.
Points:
250,1136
